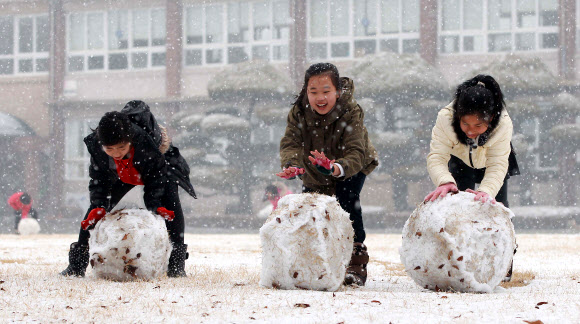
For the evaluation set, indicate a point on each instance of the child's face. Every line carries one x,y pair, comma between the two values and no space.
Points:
473,126
117,151
322,94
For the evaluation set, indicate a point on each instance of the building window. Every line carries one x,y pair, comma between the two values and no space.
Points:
512,25
354,28
24,44
116,40
77,158
235,32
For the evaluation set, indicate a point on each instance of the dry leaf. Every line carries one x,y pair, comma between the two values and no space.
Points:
376,302
301,305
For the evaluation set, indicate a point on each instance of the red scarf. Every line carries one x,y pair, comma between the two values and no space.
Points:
126,170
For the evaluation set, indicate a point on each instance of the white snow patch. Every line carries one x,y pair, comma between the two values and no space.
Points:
306,243
459,244
28,226
130,244
265,212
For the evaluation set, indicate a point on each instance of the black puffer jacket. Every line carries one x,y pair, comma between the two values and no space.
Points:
154,167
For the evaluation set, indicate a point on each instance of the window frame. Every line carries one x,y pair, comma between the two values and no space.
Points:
34,55
106,52
401,36
224,46
485,31
83,125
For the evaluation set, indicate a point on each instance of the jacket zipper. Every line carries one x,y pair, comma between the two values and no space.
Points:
470,160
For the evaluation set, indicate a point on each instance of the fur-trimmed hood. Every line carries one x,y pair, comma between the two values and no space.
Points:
165,140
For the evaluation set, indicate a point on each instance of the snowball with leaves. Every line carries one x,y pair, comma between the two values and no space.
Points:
458,244
306,243
130,244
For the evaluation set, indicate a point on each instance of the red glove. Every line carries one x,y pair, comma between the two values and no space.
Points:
441,191
166,213
94,216
290,173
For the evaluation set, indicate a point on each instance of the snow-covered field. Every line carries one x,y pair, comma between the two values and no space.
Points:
223,287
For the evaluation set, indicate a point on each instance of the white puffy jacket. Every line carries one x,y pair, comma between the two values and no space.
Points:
493,155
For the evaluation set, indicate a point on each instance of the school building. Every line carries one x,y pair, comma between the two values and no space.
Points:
64,63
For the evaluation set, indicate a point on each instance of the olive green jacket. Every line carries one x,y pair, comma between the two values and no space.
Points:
340,134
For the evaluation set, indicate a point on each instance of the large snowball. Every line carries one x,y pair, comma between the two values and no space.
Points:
28,226
306,244
130,244
459,244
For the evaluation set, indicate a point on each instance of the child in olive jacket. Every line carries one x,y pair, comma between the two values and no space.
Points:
327,145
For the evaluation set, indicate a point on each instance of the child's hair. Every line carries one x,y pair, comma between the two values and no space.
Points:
272,189
319,69
25,198
114,128
480,96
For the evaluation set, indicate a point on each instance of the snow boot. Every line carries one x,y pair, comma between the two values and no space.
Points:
78,260
356,273
176,267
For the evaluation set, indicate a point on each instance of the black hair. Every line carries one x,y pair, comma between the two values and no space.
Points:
114,128
318,69
272,189
480,96
25,198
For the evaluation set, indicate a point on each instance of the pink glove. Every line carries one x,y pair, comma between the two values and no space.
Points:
321,162
290,173
481,196
441,191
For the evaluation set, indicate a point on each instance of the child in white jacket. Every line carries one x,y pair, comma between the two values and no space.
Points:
471,143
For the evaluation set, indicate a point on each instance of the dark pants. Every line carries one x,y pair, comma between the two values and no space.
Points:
170,201
18,217
348,196
466,178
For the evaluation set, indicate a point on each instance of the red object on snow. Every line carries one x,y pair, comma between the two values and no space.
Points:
94,216
274,200
126,170
17,205
166,213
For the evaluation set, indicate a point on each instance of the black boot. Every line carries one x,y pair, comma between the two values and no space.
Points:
356,273
177,259
508,276
78,260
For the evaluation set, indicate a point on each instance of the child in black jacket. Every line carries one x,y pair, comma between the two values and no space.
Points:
124,155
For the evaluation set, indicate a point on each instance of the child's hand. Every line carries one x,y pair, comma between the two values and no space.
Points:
322,163
481,196
441,191
94,216
166,213
290,173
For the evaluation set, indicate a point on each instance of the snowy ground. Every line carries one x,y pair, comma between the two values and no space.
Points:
222,287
